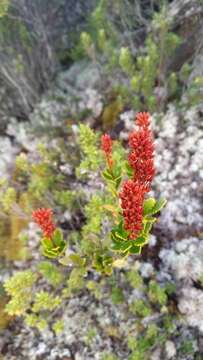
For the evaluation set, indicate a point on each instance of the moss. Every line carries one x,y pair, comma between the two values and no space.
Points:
141,308
58,327
109,356
187,347
19,287
51,273
134,279
45,301
157,294
117,296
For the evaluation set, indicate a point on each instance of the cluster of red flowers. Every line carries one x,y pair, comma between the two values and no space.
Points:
132,196
141,160
43,218
106,146
141,157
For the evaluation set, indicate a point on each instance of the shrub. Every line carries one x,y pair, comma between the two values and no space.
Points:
32,48
147,83
119,218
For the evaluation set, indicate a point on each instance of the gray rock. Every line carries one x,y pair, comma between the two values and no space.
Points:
170,349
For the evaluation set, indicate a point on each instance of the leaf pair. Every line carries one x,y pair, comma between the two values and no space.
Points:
114,176
103,263
122,243
120,237
152,207
54,247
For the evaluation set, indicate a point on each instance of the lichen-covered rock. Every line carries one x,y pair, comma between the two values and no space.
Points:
191,305
185,260
170,349
8,152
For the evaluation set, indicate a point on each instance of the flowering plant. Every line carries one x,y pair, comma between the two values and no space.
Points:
53,244
118,221
130,211
135,219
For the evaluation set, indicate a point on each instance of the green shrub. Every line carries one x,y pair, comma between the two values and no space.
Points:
105,237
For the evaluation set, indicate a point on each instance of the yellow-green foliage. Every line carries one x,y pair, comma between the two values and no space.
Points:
126,61
4,5
4,317
8,199
19,287
95,288
76,279
109,356
33,320
58,327
147,70
157,294
45,301
141,308
66,198
88,142
87,44
22,163
111,113
102,39
134,279
117,296
94,213
42,179
194,91
172,83
51,273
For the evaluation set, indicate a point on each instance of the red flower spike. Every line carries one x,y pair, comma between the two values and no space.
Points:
43,218
141,157
106,146
143,119
132,197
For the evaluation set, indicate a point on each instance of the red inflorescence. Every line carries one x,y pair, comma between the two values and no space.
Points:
132,197
43,217
143,119
106,146
141,157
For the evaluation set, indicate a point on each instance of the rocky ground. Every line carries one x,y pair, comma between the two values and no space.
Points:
175,252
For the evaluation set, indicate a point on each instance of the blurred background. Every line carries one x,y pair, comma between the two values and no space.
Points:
64,63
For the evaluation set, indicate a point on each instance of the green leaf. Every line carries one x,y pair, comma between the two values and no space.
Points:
77,260
65,260
125,246
129,170
147,228
107,261
120,236
135,250
148,206
141,240
148,222
73,259
118,181
107,175
117,171
158,206
116,246
121,246
53,248
46,243
119,232
49,253
58,237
